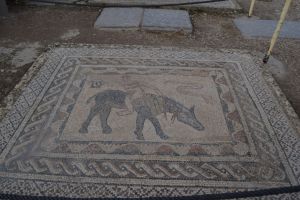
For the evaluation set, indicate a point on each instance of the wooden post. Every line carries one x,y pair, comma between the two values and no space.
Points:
251,8
278,28
3,8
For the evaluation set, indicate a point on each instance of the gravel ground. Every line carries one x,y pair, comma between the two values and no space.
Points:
29,30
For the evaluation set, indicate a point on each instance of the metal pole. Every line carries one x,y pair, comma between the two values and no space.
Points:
251,8
278,28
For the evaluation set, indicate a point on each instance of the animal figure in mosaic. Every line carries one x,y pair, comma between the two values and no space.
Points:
147,107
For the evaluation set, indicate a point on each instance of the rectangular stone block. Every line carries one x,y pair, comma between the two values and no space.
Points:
265,28
167,20
119,18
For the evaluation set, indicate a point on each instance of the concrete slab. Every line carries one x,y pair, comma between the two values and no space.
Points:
119,19
166,20
116,121
148,19
251,28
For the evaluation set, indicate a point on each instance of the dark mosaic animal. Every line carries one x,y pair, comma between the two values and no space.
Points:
147,107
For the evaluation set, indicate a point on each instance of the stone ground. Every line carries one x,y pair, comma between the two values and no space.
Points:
250,158
28,32
136,121
253,28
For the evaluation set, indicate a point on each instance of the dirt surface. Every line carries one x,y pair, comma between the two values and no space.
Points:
53,24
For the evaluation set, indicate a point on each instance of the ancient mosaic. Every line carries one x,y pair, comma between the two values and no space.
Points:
119,121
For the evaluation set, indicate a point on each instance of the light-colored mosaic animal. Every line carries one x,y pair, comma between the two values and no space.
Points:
147,107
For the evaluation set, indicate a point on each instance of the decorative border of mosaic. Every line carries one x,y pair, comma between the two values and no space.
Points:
235,131
268,105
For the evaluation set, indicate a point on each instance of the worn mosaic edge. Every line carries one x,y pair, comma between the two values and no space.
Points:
153,48
13,95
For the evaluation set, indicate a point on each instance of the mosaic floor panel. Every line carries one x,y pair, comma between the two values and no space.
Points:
130,121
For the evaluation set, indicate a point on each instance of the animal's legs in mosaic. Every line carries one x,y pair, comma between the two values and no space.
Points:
103,112
143,114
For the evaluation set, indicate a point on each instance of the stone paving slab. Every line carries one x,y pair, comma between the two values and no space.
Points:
133,121
145,19
265,28
119,18
167,20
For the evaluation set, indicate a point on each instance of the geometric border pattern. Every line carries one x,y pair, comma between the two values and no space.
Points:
229,107
283,132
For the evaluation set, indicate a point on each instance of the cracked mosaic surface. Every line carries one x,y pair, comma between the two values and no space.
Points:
120,121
